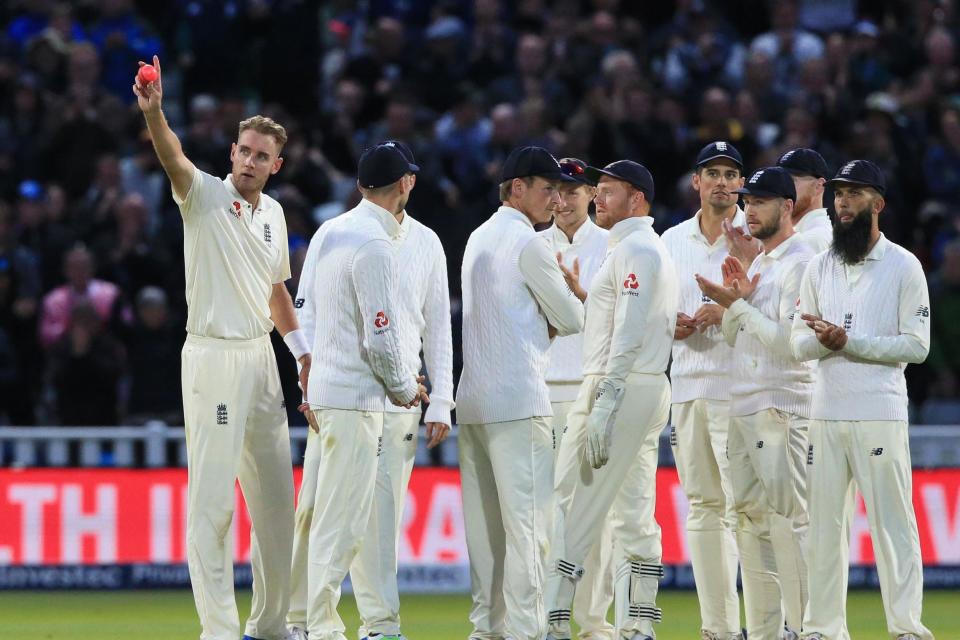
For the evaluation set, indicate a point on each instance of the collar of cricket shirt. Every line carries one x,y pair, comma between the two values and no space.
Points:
782,248
587,229
813,218
381,215
228,181
510,212
739,220
878,249
624,228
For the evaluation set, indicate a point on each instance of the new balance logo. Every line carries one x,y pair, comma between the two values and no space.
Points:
876,452
922,312
847,321
810,454
705,298
283,404
221,413
266,234
759,444
408,437
298,303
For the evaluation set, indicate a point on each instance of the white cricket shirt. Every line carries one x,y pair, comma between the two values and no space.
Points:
816,229
233,255
347,307
765,374
884,306
589,247
631,309
701,363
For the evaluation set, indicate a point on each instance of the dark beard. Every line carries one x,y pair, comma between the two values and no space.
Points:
768,231
851,242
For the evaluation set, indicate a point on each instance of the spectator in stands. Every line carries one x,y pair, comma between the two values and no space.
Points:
86,364
941,165
128,257
153,347
81,289
786,44
47,239
944,356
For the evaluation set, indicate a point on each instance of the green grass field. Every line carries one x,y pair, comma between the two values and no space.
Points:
169,615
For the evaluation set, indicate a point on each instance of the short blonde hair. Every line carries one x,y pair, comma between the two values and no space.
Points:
266,126
506,187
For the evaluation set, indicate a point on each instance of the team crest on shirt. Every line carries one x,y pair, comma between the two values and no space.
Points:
630,285
381,322
237,210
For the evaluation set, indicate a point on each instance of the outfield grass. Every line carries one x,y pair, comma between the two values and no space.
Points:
169,615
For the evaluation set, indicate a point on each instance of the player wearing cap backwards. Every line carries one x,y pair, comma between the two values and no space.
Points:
237,259
424,308
514,300
581,247
769,406
621,408
351,311
700,377
864,314
810,218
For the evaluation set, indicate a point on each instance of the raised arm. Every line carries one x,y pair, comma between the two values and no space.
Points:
169,151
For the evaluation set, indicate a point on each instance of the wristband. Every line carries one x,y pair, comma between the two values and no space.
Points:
297,344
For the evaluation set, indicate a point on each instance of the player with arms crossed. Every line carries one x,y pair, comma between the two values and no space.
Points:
700,378
424,310
581,247
237,259
622,407
514,300
769,407
864,314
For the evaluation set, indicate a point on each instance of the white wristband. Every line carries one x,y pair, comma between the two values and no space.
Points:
297,343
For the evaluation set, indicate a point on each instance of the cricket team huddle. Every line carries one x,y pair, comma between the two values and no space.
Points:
785,336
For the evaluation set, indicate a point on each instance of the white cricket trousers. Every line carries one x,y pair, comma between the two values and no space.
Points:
506,476
374,570
621,495
595,591
346,475
236,427
699,440
767,452
875,455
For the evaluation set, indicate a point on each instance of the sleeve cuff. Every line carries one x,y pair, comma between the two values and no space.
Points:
439,411
855,345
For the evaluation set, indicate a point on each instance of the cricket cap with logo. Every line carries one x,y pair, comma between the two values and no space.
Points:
769,182
528,162
804,162
382,165
629,171
719,149
861,172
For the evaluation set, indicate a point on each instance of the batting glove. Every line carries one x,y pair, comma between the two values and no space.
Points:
600,422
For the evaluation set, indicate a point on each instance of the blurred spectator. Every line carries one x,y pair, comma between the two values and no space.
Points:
531,79
941,166
944,357
81,288
122,40
141,173
86,364
153,348
47,238
786,44
128,257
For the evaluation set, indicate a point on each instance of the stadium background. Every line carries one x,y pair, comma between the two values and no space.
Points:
84,206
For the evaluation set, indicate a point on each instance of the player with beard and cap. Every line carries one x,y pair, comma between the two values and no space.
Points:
769,407
514,301
607,458
581,247
348,302
423,309
700,377
810,218
864,314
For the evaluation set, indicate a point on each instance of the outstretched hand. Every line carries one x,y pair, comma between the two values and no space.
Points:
149,95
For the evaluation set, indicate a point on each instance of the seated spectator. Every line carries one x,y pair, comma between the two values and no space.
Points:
81,288
786,44
153,348
86,364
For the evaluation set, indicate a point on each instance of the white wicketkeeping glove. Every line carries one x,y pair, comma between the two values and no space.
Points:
600,422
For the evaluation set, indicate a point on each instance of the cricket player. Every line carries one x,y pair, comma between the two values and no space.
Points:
237,259
700,377
350,310
769,407
425,309
621,408
514,301
810,218
864,315
581,247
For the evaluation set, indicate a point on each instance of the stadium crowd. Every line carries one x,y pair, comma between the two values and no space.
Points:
91,265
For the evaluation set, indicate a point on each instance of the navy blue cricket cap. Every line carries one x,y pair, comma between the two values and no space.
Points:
407,153
524,162
862,172
382,165
719,149
804,162
577,169
628,171
770,182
